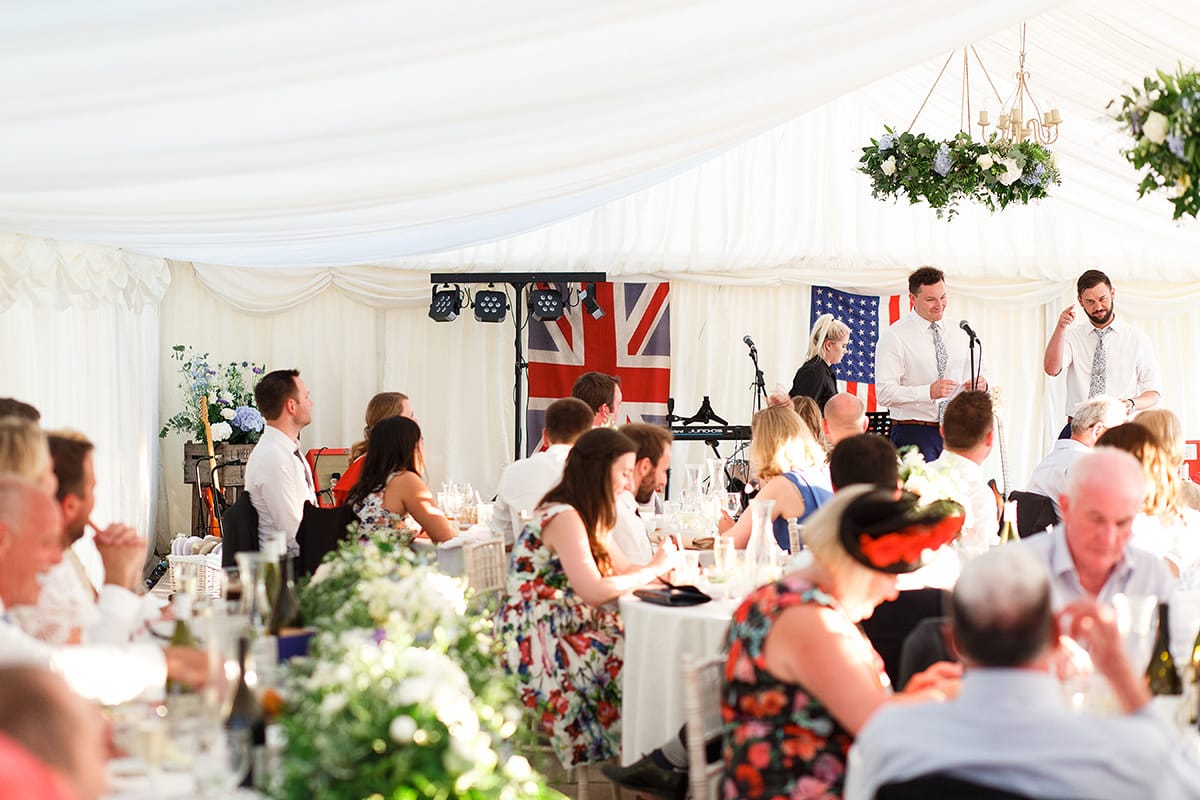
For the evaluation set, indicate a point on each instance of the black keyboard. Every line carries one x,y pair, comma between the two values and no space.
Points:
703,433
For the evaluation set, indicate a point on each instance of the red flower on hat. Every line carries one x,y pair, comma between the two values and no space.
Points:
907,544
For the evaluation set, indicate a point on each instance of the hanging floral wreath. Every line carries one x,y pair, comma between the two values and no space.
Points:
941,173
1164,120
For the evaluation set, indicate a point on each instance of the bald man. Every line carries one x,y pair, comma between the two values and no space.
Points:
845,416
1088,553
1009,727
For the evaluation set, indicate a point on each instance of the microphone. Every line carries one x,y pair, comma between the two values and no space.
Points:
966,326
750,343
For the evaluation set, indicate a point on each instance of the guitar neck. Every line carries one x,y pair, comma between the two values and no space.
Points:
208,443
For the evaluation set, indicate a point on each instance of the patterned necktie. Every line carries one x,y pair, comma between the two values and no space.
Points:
1099,364
939,350
304,468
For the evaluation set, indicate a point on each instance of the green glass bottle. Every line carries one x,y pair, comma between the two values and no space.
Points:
285,612
1161,674
1008,522
182,699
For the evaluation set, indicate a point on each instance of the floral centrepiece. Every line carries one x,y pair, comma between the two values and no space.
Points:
934,487
402,695
1163,118
229,390
942,173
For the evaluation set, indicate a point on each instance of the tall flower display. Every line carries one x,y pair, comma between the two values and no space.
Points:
228,388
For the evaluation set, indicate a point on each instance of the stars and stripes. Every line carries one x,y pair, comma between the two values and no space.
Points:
631,341
866,316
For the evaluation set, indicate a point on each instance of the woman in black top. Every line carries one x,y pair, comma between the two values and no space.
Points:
826,347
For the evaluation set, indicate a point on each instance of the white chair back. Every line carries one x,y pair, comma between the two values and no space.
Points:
703,685
486,565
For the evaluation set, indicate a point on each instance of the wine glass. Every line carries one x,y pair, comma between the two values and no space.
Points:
222,760
733,504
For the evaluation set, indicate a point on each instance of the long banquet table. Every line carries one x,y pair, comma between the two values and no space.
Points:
656,638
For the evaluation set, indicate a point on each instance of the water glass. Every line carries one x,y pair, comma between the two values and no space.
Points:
223,760
1136,622
724,555
733,504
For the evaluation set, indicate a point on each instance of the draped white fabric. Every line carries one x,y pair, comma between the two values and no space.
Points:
308,133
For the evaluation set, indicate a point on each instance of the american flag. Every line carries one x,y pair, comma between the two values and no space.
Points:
631,341
866,315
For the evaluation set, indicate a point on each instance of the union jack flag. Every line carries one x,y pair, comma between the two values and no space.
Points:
631,341
866,315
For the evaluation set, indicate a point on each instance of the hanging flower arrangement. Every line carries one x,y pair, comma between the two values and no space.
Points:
1163,118
942,173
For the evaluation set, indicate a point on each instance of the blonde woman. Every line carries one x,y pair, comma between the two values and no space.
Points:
1163,525
25,453
1165,425
788,464
827,345
380,407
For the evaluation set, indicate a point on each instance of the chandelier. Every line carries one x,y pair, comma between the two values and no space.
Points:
1012,124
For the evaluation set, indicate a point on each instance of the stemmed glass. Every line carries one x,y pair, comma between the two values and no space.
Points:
733,504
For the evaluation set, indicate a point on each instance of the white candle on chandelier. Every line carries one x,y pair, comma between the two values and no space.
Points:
1055,117
983,117
1047,118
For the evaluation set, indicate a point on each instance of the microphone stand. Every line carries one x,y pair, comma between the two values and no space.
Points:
974,340
759,387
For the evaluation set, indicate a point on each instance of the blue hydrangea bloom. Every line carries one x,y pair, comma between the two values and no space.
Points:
1175,144
248,419
886,142
1185,103
941,162
1034,177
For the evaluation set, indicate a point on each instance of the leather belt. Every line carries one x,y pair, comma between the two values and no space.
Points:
920,422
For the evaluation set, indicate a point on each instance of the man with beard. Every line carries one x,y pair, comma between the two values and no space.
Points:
1107,356
650,471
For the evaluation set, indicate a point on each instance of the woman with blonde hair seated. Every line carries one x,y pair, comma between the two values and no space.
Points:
827,343
380,407
1166,426
564,639
1163,525
801,677
788,464
24,452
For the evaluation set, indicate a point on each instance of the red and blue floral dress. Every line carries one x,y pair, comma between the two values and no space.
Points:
780,741
566,654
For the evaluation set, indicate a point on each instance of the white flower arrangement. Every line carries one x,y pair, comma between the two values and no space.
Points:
387,718
930,484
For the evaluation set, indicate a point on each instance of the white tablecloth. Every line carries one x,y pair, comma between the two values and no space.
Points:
656,637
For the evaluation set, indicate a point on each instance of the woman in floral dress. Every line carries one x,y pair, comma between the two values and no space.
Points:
391,489
801,678
564,637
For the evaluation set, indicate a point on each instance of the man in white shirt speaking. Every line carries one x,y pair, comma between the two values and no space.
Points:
277,476
1103,355
920,363
524,483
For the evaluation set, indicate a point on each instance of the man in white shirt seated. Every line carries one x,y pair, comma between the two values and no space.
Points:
650,470
1091,420
277,476
602,393
968,432
70,609
1009,727
524,483
30,544
1088,553
844,416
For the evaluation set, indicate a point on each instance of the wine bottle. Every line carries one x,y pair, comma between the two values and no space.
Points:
1008,520
246,715
273,549
1161,674
182,698
285,613
1195,678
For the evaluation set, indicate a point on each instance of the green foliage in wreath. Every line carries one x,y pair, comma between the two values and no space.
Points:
1163,118
942,173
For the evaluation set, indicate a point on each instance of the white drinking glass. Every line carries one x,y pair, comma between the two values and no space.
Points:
1136,623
